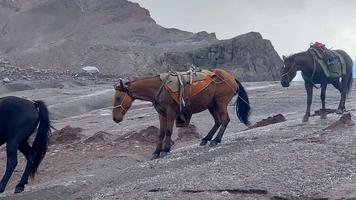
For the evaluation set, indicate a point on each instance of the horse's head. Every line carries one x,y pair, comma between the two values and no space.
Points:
288,71
122,101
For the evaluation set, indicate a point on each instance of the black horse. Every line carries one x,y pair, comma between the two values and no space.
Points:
19,118
312,74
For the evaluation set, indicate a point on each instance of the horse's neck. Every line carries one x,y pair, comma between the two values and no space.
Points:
303,60
145,89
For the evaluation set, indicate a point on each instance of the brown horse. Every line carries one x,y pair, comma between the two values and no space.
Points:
312,74
215,98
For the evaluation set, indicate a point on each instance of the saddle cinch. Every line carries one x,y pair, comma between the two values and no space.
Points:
332,63
183,85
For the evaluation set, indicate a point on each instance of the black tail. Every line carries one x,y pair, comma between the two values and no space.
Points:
243,104
349,83
40,143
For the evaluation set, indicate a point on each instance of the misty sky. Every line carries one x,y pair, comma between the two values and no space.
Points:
290,24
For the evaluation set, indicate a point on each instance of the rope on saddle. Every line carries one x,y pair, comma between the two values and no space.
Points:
156,101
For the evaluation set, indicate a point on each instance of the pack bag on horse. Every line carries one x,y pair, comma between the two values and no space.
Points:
212,91
320,65
19,118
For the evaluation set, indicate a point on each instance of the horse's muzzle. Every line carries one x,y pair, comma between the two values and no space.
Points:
117,119
285,84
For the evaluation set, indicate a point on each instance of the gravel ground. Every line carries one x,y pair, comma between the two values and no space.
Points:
288,160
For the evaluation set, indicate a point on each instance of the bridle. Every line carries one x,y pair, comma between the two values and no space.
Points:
287,73
127,92
120,106
310,79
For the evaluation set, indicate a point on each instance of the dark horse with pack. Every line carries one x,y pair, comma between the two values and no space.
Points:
320,65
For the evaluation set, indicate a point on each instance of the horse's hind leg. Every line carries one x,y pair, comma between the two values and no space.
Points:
322,97
337,85
28,152
343,91
215,113
225,119
11,151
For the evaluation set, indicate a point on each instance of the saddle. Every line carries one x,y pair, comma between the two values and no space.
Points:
183,85
332,63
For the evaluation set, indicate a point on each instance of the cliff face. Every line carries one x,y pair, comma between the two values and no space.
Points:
117,36
248,56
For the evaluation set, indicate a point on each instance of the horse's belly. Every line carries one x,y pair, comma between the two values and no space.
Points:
199,103
2,138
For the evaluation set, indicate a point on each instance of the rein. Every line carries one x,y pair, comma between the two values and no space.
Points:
287,73
312,76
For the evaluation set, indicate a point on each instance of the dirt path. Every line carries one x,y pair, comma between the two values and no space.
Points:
291,159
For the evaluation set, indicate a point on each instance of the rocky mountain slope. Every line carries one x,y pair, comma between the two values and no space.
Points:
249,56
117,36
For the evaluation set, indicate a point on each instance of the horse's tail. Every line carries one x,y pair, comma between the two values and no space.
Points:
349,81
40,143
349,67
349,84
243,104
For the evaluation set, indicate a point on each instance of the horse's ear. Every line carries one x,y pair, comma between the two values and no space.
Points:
116,86
121,83
284,58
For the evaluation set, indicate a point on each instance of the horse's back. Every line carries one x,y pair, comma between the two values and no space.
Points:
17,113
347,58
226,78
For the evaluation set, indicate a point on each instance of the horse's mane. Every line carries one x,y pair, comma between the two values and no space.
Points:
139,79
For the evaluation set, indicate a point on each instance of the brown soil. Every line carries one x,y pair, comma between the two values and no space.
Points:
65,135
345,121
99,137
270,120
186,134
148,135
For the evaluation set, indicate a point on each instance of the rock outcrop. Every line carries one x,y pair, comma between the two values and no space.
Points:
119,37
248,56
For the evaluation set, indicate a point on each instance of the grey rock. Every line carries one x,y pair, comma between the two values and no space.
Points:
6,80
248,56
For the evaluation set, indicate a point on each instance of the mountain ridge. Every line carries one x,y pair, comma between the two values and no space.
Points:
117,36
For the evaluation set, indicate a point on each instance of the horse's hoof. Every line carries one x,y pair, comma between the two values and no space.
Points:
155,156
339,111
305,118
323,116
213,143
203,142
19,189
163,154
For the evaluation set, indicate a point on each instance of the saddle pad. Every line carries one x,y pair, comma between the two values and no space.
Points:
335,68
172,82
191,89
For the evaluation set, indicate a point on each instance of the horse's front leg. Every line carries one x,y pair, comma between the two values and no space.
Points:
171,116
309,89
11,151
162,131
